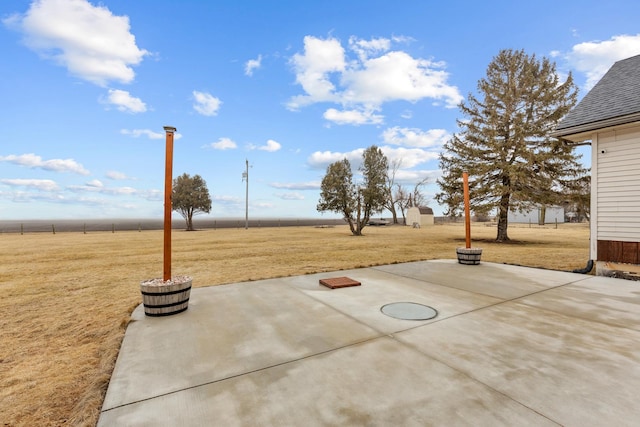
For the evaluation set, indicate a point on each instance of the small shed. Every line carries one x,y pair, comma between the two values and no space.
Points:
608,118
421,215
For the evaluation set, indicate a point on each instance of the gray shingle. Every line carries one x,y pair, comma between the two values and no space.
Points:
617,94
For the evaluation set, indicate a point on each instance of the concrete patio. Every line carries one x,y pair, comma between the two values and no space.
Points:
509,346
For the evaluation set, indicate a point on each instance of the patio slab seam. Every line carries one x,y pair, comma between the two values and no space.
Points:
350,316
252,371
407,276
437,319
470,377
493,305
560,313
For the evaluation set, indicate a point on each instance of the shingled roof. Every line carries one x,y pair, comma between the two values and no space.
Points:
614,100
425,210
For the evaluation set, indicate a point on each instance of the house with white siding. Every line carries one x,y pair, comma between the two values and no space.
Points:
552,214
608,118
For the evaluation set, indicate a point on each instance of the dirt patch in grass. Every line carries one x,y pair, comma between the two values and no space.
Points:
67,298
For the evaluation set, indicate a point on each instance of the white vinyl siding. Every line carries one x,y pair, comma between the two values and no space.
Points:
617,161
552,214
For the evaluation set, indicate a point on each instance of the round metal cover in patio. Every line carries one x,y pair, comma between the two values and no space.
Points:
409,311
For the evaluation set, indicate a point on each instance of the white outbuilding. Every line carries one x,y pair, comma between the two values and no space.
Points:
420,215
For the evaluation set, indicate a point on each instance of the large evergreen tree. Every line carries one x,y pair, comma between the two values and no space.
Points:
356,202
504,141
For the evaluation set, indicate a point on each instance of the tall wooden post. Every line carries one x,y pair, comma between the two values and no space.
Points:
168,190
467,210
246,199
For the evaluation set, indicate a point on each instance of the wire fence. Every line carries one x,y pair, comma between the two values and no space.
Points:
106,225
115,225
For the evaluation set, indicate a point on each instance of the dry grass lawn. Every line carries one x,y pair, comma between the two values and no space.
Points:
66,298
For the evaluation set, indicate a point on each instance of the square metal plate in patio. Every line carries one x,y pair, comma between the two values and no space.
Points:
339,282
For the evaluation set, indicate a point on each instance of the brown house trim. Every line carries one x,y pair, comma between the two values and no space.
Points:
615,251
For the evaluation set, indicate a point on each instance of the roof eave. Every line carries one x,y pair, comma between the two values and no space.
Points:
584,131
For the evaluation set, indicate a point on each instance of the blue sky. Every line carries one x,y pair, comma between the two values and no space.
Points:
289,85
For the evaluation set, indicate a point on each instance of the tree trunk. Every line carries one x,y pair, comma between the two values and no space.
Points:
190,222
362,223
394,214
503,219
351,225
542,213
358,216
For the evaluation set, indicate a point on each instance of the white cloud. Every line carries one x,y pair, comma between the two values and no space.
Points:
125,102
271,146
252,64
376,75
55,165
594,58
366,48
407,114
136,133
97,187
222,144
27,197
315,185
88,40
290,196
322,159
412,177
38,184
402,39
95,183
206,104
412,137
398,76
116,176
122,191
352,117
313,68
408,157
152,195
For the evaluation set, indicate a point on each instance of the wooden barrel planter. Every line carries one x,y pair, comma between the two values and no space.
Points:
469,256
162,298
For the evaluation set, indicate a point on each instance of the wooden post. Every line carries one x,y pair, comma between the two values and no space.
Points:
467,210
245,175
168,190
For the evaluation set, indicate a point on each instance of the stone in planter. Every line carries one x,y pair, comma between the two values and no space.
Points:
162,298
469,256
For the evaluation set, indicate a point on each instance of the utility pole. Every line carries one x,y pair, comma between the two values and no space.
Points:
245,177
